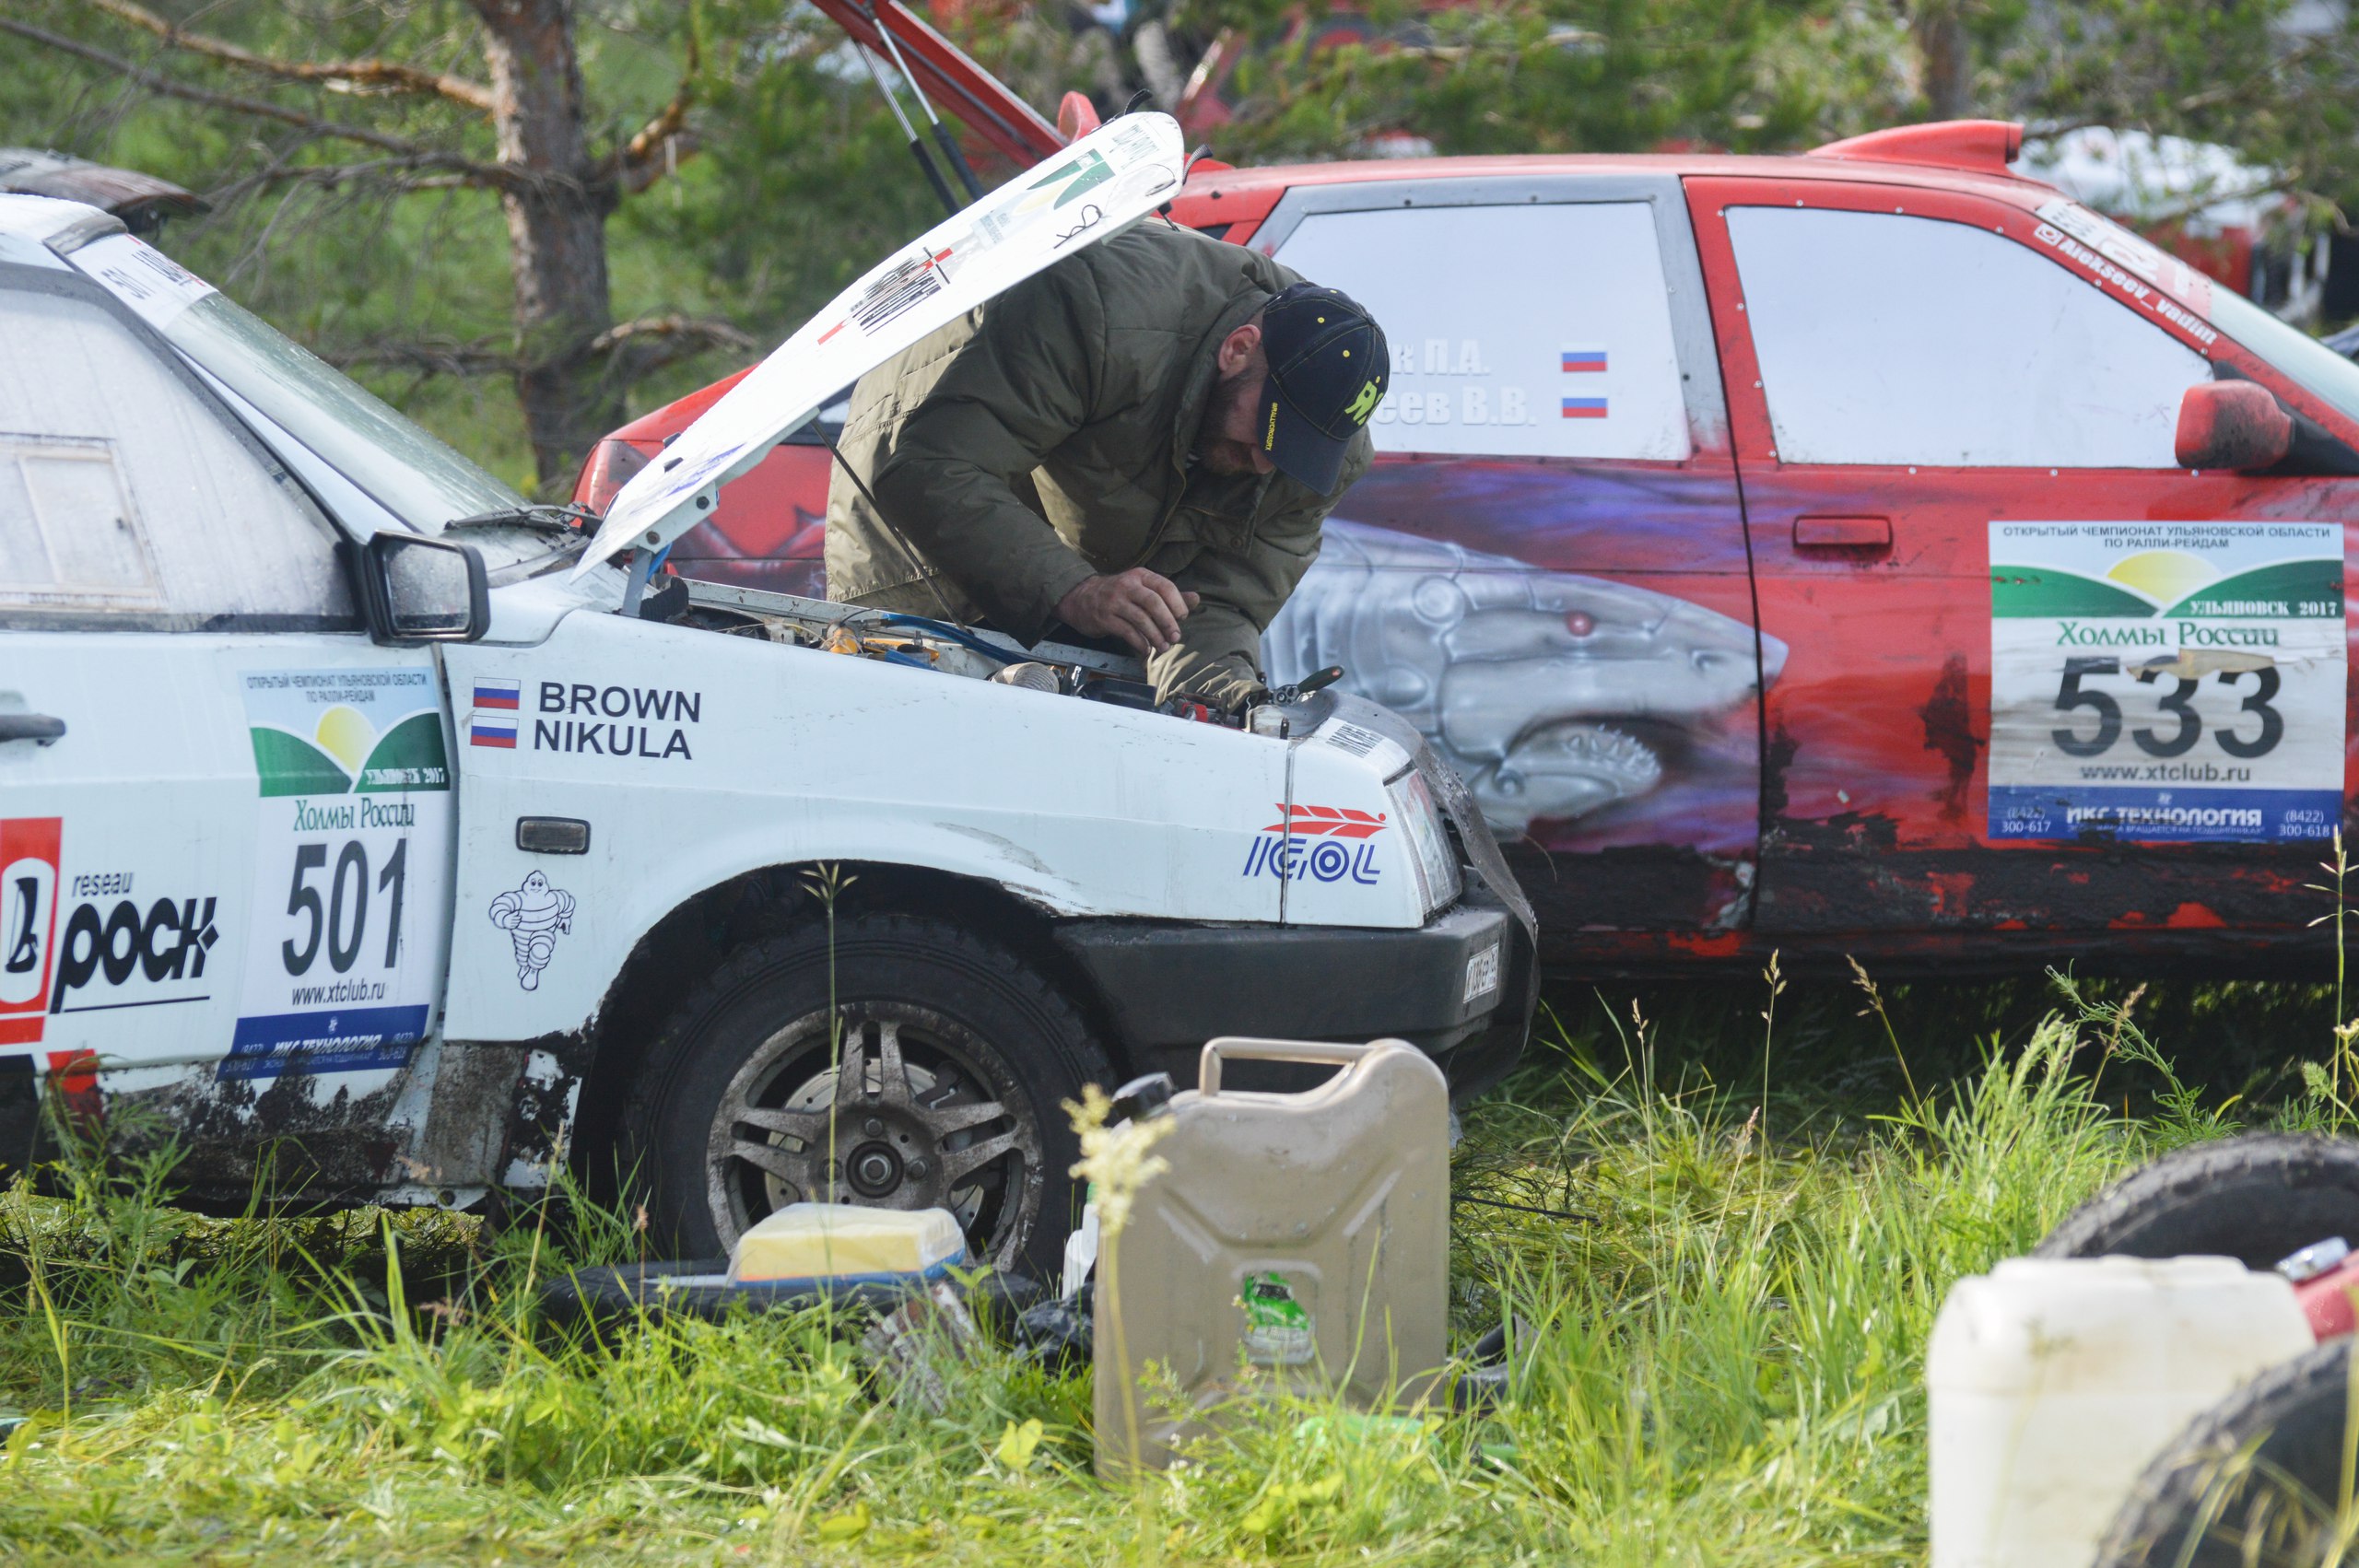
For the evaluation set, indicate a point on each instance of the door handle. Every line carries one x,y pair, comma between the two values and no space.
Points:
1843,534
36,727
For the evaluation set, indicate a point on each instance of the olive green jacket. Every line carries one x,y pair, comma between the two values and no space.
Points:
1046,437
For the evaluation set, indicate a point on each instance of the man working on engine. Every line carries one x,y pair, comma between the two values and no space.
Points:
1138,442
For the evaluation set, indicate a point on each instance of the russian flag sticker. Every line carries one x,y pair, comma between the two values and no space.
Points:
1584,408
1583,359
491,730
497,694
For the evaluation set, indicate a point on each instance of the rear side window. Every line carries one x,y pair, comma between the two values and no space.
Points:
1528,331
125,496
1889,339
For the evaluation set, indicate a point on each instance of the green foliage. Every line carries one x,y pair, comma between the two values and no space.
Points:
1555,75
2272,78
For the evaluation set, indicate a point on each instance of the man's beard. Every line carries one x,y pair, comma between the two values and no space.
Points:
1216,450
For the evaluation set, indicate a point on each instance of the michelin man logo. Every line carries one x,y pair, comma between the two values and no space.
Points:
534,915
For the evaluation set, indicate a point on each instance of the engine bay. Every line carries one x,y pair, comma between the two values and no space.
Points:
975,652
919,641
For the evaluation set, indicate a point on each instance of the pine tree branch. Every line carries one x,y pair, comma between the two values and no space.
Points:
675,334
660,144
484,175
383,175
630,349
378,75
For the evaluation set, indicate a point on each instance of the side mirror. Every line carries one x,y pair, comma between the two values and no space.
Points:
419,590
2232,424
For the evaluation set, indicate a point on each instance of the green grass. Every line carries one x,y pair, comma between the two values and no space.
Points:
1724,1355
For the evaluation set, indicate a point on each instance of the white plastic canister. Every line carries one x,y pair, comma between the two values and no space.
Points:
2054,1381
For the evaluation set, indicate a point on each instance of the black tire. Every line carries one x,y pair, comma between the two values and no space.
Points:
2252,1482
2257,1199
990,1051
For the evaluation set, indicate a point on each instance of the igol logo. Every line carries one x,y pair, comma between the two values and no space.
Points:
1280,851
169,943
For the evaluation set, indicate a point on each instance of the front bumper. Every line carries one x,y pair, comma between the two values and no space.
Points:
1168,988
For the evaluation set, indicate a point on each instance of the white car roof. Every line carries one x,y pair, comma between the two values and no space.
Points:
37,218
28,222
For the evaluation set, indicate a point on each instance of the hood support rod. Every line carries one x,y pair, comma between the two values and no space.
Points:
916,143
942,138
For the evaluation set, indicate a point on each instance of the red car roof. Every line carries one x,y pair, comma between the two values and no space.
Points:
1958,156
1802,166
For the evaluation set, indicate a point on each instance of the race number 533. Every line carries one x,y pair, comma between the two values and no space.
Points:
2166,681
2180,723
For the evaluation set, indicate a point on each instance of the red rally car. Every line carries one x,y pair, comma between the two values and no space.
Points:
1866,551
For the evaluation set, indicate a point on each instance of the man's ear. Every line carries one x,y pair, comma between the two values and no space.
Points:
1237,350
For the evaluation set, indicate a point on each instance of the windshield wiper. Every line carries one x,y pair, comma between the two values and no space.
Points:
568,519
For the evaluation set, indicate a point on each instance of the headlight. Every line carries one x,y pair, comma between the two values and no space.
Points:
1436,865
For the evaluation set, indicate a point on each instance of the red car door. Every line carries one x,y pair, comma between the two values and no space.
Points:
1546,570
2041,680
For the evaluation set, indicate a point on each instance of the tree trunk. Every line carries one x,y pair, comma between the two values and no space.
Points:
557,230
1946,52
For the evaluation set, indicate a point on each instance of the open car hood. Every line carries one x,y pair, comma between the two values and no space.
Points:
1076,197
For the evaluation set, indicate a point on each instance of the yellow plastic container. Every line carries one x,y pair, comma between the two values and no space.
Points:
842,1244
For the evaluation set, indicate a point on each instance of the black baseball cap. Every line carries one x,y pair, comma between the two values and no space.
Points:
1329,368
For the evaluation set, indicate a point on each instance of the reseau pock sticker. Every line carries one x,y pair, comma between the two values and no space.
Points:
2166,681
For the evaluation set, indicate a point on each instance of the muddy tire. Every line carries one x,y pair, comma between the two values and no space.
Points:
2255,1480
957,1057
2256,1198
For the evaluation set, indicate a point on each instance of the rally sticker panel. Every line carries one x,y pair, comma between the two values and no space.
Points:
351,868
2175,682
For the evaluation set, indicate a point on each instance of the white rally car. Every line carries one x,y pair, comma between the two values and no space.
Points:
354,839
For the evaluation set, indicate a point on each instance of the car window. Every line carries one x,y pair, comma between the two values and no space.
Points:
1890,339
408,472
125,495
1538,330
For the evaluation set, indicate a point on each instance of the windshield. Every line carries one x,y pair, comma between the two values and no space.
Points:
2288,349
410,472
2301,356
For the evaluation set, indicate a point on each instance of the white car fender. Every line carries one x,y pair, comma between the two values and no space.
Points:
739,754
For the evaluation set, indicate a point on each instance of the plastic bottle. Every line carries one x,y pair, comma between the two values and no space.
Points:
1297,1241
2054,1381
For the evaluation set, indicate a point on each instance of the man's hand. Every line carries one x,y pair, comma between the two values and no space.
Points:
1141,607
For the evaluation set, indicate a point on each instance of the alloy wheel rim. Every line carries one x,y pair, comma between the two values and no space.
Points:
923,1114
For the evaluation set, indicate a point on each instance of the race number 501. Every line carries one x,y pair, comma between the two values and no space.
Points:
333,907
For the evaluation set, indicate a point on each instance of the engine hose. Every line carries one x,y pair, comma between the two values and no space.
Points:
959,634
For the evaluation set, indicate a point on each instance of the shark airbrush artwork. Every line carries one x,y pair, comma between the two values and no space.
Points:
1549,692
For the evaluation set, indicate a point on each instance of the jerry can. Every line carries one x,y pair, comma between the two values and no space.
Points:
1297,1241
2053,1381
